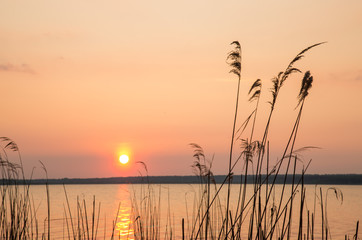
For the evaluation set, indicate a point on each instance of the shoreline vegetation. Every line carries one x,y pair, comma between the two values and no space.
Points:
259,213
309,179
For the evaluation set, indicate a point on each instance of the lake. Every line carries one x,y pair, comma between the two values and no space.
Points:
175,201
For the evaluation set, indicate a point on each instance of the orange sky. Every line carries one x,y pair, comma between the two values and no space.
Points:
82,81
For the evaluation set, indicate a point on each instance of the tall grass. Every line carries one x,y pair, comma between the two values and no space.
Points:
260,212
18,212
146,209
261,216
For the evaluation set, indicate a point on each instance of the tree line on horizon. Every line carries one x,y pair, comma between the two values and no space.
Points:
316,179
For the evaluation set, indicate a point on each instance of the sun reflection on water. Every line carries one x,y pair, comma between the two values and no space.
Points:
124,227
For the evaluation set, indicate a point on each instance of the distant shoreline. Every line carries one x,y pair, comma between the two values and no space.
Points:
325,179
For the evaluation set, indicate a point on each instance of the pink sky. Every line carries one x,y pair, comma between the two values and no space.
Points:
83,81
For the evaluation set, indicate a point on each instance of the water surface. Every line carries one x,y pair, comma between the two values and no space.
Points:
175,201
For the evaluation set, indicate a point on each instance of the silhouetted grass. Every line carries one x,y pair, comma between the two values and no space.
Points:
261,213
262,216
18,213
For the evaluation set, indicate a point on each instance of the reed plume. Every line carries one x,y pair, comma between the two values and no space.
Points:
234,61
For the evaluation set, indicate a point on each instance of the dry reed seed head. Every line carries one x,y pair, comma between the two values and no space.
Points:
10,145
255,95
290,69
300,55
144,165
305,87
338,193
234,59
274,90
200,169
256,84
198,151
256,87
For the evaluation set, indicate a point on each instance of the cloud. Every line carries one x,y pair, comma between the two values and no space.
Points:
359,76
354,75
22,68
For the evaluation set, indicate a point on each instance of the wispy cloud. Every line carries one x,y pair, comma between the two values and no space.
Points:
22,68
359,76
354,75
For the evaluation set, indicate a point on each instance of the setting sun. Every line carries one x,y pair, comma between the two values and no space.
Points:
123,159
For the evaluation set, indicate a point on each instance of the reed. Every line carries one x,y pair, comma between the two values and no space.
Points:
260,212
85,225
262,216
146,209
18,212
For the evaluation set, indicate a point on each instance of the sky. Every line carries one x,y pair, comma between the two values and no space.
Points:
85,81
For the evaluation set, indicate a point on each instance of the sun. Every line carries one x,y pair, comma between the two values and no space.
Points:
123,159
